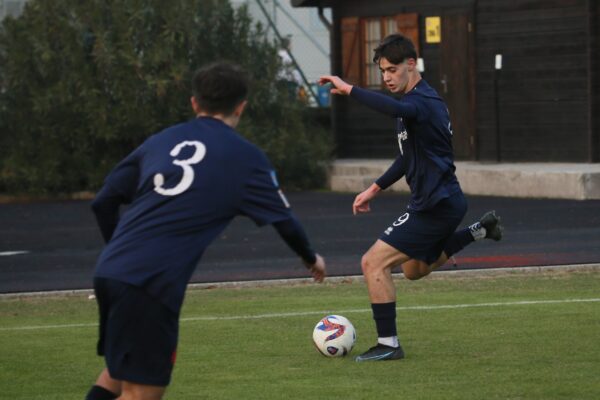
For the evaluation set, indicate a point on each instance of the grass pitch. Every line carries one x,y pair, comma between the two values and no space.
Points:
513,336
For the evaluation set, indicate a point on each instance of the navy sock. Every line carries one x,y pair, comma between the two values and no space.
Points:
100,393
384,315
458,241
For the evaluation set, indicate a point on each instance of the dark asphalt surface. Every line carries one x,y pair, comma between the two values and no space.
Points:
63,242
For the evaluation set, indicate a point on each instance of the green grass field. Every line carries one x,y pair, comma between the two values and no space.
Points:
512,336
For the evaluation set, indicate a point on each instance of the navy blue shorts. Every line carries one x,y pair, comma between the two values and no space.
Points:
422,235
138,334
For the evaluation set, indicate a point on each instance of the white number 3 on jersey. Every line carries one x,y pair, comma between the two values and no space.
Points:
188,171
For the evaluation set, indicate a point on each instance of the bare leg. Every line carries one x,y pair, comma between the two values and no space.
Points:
415,269
136,391
108,383
377,264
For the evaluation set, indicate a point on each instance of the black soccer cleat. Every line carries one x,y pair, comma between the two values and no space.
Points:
381,352
493,226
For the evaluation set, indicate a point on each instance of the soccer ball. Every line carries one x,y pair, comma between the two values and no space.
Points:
334,336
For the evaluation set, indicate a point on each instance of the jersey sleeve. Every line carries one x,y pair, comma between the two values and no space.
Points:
292,232
106,208
263,200
384,104
394,173
125,176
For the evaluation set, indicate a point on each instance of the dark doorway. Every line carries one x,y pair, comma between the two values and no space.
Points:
457,80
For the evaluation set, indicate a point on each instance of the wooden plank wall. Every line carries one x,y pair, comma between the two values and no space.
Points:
543,88
595,80
361,132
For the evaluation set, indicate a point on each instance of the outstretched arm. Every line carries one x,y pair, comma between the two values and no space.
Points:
293,234
375,100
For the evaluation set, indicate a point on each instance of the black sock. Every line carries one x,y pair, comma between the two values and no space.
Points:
458,241
384,315
100,393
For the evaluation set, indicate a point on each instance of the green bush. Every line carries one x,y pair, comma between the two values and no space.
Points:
84,82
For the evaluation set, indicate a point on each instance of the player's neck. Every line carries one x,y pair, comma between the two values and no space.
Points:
231,120
413,81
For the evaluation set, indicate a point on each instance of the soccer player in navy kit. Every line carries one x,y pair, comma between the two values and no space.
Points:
184,184
424,237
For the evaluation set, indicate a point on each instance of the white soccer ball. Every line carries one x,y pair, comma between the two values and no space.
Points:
334,336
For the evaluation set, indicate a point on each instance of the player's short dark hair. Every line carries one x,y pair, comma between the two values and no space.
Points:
395,48
220,87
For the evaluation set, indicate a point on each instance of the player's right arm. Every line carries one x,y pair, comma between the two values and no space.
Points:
361,201
293,234
264,202
375,100
394,173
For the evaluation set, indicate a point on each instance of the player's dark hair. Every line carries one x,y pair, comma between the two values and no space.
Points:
220,87
395,48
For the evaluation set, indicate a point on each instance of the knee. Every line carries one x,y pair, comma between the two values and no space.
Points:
415,271
366,264
413,275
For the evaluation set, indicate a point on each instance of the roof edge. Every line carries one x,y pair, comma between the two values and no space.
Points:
305,3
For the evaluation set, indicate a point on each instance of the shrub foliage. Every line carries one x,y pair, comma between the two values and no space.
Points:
84,82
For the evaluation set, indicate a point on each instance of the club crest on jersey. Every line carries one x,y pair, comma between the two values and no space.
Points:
274,178
401,137
286,203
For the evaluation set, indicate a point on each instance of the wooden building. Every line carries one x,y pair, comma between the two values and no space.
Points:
543,104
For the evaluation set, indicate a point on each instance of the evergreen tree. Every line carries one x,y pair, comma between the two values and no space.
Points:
82,83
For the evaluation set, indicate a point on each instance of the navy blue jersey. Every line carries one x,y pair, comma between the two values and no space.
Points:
185,185
425,141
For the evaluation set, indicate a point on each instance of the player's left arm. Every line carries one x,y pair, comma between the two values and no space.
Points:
264,202
119,188
106,206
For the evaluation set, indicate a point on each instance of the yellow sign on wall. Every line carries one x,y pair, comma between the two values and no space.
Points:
433,30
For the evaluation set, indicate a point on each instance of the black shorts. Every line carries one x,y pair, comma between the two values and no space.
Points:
138,334
422,235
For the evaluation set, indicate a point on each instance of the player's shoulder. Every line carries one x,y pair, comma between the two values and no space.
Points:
169,133
252,152
215,134
422,92
424,97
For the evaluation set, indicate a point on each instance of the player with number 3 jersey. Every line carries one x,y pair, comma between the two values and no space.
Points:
184,185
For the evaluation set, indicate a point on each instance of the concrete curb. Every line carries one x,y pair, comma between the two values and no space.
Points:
26,199
525,180
489,272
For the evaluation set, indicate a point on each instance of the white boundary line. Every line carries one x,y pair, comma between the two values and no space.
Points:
349,311
13,253
332,279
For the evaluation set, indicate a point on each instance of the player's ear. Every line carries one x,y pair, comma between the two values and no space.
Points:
411,63
239,109
195,105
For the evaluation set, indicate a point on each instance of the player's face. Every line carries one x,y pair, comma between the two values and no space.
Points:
396,76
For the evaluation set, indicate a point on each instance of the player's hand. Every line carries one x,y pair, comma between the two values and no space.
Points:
361,201
339,86
317,269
